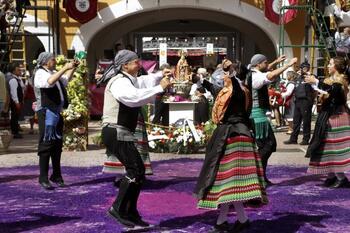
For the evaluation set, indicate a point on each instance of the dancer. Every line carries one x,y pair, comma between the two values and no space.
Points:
125,93
257,82
232,172
330,145
51,98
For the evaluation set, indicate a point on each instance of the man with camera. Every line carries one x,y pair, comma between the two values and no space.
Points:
50,92
304,100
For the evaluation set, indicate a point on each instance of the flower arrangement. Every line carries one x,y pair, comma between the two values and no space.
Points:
157,140
77,114
180,140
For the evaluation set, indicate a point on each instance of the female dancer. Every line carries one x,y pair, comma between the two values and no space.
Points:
232,172
330,145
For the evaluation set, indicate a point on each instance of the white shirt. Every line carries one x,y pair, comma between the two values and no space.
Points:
194,88
41,80
290,88
141,91
259,79
13,83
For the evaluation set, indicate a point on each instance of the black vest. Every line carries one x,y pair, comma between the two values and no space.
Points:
128,116
303,90
263,93
19,89
50,97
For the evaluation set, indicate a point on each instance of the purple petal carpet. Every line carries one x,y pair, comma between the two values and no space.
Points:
297,202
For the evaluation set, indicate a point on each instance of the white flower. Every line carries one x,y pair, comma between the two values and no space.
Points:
152,144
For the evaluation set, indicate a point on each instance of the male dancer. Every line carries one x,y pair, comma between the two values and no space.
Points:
258,82
125,93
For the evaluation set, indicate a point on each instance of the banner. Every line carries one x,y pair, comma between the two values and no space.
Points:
162,53
273,13
81,10
210,48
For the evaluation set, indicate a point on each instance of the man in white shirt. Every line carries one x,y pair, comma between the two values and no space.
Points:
258,82
125,93
16,90
51,98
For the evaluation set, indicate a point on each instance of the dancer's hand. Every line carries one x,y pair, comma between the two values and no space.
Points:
292,61
165,83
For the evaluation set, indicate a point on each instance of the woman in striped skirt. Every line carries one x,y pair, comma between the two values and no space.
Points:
232,172
330,145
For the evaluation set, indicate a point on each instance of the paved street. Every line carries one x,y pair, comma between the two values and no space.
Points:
23,152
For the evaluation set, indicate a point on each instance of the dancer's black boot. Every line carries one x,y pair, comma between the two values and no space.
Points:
44,170
132,206
118,211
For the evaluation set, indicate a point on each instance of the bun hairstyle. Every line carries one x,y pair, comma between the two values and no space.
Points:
226,64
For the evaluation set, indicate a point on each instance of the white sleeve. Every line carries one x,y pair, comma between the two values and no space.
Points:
125,92
208,95
41,79
259,80
289,91
150,80
193,89
13,90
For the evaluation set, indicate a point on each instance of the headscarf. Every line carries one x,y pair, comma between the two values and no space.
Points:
257,59
123,57
43,58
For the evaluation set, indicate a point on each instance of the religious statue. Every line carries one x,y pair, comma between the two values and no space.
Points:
183,72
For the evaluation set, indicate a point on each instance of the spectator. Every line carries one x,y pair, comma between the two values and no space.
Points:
16,90
51,98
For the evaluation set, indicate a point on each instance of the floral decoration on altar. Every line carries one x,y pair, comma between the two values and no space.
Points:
180,139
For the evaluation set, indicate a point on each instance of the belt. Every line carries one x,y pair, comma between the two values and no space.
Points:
123,133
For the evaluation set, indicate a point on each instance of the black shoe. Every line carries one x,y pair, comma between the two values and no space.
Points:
123,219
340,183
222,228
289,142
330,181
304,143
238,226
59,182
46,185
137,220
17,136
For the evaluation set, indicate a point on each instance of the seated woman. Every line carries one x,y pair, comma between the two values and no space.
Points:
330,145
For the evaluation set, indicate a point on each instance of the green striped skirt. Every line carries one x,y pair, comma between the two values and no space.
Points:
334,152
240,175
